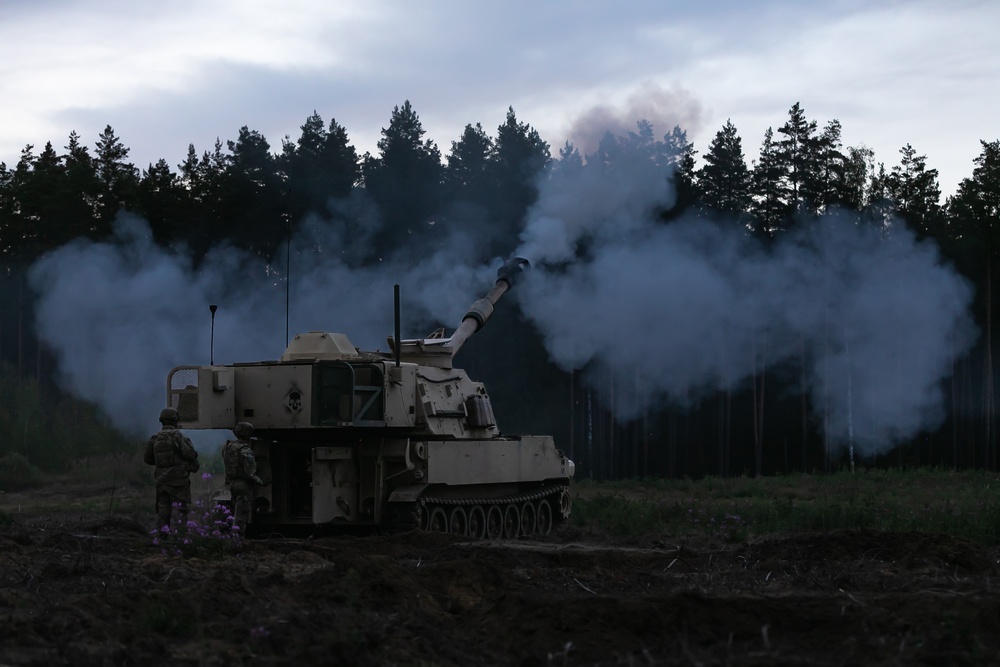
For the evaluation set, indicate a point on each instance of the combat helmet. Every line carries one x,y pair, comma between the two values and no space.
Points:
243,430
169,416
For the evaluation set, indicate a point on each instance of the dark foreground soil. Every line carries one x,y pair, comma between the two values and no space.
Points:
79,588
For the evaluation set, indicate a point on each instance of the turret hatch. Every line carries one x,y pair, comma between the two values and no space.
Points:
320,345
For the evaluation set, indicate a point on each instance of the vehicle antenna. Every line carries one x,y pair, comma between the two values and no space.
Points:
395,305
211,350
288,270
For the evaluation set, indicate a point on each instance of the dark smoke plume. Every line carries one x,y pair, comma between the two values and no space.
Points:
661,107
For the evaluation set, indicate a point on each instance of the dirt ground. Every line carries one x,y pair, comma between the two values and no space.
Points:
81,585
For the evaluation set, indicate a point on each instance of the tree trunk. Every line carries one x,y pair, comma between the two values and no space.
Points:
590,434
572,414
805,405
611,425
989,406
954,411
20,330
758,407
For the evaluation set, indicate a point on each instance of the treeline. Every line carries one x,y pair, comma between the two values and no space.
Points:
409,196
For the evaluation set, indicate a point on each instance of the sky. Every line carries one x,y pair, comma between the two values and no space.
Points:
168,75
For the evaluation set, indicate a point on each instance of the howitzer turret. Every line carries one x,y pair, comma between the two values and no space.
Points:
349,437
482,309
439,350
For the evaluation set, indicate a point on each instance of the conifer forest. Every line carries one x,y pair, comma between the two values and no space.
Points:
756,306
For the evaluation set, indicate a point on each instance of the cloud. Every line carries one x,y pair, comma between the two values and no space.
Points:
891,72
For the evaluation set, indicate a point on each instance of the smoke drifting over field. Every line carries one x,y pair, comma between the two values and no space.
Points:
677,311
120,315
674,311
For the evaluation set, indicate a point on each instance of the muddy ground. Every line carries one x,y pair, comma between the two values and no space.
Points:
83,585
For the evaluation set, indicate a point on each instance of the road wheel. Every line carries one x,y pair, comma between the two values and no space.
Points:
494,523
527,519
511,522
477,522
438,521
543,524
458,522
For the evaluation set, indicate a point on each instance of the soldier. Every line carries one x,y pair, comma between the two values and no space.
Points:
175,459
241,473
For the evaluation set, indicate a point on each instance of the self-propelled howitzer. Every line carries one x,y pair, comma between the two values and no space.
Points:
402,438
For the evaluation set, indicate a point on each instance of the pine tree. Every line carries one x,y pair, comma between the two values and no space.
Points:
161,202
201,180
520,159
799,153
405,181
855,192
47,182
974,223
570,162
976,203
22,228
725,181
321,167
915,192
467,173
679,154
118,178
642,144
252,195
7,209
340,161
769,206
83,187
607,155
832,186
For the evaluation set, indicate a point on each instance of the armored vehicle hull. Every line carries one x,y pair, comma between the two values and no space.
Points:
401,439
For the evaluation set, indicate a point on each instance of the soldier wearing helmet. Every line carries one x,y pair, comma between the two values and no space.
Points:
175,459
241,473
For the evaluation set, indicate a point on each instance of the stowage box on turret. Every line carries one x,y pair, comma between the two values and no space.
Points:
398,439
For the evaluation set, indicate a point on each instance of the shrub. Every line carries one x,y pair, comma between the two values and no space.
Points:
18,473
208,532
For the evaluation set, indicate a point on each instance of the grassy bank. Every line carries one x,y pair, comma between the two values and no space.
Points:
965,504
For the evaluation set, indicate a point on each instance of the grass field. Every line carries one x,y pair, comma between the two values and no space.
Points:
960,503
964,504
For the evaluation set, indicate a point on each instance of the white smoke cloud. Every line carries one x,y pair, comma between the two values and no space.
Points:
678,311
592,204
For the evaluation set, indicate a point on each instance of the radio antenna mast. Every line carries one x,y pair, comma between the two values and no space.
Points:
211,349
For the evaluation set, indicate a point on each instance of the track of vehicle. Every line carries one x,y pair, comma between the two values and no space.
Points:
536,512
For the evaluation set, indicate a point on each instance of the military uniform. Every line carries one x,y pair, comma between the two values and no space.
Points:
175,459
241,473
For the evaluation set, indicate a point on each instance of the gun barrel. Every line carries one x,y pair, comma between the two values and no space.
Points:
481,311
